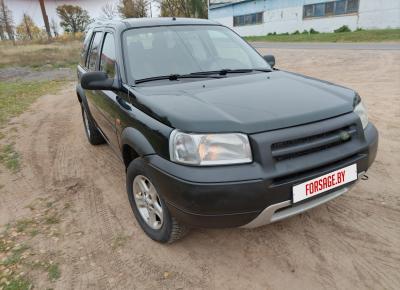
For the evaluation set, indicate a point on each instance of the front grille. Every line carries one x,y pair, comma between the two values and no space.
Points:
306,145
320,170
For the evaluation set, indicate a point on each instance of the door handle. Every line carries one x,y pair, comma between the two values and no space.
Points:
123,103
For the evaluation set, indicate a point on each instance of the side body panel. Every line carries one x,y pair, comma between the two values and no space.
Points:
140,131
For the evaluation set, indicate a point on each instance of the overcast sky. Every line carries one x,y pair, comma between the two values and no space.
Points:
32,8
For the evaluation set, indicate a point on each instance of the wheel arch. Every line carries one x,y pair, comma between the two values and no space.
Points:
134,144
81,96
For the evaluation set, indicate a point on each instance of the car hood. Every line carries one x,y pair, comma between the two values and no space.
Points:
247,103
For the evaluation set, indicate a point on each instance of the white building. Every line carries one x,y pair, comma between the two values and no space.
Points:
260,17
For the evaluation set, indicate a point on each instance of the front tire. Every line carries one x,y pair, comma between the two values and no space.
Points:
92,133
149,207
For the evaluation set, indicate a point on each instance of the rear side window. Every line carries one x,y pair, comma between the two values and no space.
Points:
93,52
107,59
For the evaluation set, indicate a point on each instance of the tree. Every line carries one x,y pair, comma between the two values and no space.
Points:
184,8
109,11
73,18
133,8
54,27
6,20
2,32
45,18
27,29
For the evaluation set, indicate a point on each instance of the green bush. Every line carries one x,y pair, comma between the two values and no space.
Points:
312,31
304,31
344,28
296,32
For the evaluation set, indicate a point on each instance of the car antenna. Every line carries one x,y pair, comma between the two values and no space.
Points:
174,18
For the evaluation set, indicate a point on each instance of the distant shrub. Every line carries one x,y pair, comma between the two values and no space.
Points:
312,31
67,37
359,29
286,33
304,31
344,28
296,32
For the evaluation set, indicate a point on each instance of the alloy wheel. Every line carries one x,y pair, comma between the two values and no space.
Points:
148,202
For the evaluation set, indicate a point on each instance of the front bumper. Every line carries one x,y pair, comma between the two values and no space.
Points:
253,194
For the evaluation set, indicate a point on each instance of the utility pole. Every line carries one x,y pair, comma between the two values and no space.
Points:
45,18
151,10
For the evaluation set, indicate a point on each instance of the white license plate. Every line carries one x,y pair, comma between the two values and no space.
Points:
324,183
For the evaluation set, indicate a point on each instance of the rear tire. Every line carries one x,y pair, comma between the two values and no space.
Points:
92,133
164,228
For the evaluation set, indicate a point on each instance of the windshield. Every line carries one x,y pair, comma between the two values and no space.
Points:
169,50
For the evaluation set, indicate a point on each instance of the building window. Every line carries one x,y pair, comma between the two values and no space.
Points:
331,8
319,10
248,19
352,6
340,7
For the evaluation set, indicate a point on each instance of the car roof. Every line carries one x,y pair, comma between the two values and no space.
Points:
127,23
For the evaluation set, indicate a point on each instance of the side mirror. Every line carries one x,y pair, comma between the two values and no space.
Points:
98,80
270,59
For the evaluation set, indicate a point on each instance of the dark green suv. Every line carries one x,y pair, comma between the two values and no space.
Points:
210,133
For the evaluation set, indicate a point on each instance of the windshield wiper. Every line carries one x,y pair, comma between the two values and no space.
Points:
201,74
174,77
223,72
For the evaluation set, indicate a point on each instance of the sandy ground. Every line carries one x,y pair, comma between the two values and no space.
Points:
352,242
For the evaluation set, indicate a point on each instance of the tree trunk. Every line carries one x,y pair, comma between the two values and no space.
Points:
45,18
2,35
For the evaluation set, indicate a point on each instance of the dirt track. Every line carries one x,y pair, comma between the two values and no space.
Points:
352,242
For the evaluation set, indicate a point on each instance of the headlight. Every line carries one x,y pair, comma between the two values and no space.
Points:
209,149
361,111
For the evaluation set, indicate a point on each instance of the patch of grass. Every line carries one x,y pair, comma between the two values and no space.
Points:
10,158
52,219
17,96
119,241
54,272
54,55
354,36
52,269
16,283
33,232
18,253
3,246
23,224
15,256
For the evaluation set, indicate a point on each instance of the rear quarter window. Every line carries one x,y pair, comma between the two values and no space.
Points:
94,51
85,47
107,57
